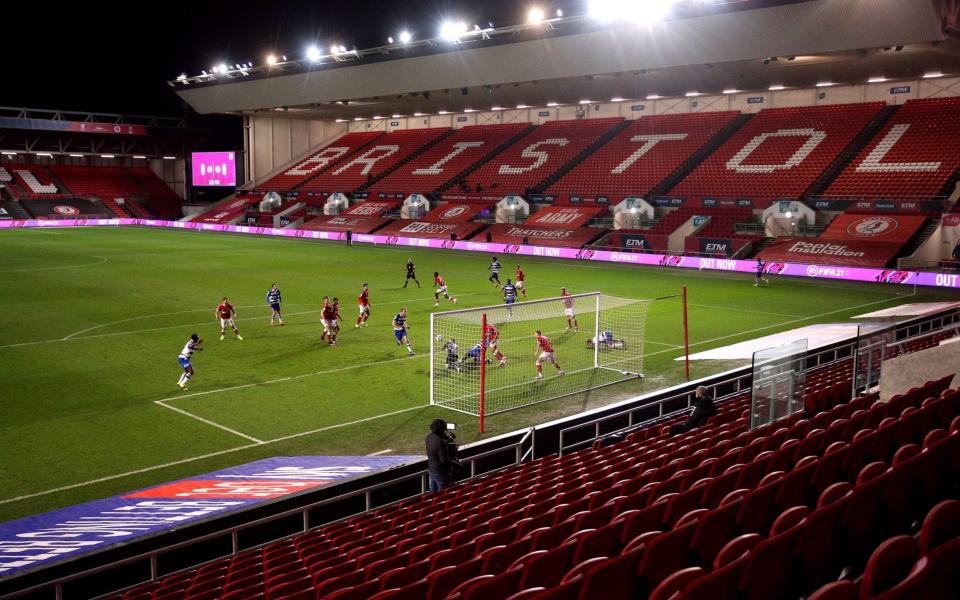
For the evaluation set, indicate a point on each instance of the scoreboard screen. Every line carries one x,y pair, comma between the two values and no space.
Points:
214,169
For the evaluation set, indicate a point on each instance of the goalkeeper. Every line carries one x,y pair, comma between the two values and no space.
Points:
453,354
607,340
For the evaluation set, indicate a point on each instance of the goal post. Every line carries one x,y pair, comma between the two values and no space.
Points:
598,340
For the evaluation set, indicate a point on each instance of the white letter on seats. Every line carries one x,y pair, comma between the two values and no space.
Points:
366,160
458,148
814,137
318,160
531,152
649,141
873,163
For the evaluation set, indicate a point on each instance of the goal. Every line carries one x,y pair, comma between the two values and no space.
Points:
601,344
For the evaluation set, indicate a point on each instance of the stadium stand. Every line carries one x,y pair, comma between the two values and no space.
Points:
324,158
375,160
723,512
450,158
34,181
779,153
914,155
642,155
539,154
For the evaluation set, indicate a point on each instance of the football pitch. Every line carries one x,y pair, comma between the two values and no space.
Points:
93,321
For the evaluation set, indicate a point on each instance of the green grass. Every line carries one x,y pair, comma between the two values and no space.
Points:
93,321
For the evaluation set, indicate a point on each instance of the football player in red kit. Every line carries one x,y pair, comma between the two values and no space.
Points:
225,312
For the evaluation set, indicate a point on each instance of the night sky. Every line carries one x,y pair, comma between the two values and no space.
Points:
116,57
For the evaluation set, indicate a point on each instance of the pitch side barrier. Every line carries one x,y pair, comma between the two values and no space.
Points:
164,553
810,271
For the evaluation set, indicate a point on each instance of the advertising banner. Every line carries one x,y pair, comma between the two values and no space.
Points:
544,236
427,229
67,209
72,126
469,197
852,252
346,222
214,169
566,217
639,241
12,210
369,208
715,246
896,229
56,535
453,213
819,270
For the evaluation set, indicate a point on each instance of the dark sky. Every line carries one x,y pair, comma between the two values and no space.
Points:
117,57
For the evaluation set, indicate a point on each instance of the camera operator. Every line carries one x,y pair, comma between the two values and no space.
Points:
441,456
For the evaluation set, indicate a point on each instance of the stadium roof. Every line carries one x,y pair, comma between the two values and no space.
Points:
796,45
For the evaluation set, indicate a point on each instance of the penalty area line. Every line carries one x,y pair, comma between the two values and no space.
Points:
204,456
208,422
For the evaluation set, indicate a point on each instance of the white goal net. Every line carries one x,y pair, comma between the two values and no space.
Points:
600,344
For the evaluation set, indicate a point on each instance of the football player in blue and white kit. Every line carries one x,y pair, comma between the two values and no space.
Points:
192,345
400,330
494,272
273,300
509,296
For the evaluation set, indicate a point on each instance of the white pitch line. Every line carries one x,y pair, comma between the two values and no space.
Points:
102,260
291,378
70,338
209,422
206,456
724,337
296,435
750,310
381,452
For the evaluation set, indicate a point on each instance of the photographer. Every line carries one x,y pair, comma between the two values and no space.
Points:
441,456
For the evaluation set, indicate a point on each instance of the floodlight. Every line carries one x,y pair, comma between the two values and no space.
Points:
223,68
559,12
522,106
452,30
825,84
585,102
933,75
788,214
405,37
654,96
342,48
271,60
334,50
552,104
443,112
468,110
390,40
691,94
777,87
876,80
418,114
535,15
731,91
616,99
313,53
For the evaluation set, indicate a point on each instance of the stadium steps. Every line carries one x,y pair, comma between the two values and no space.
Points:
579,158
115,208
376,178
699,156
346,157
851,152
761,245
17,211
55,180
918,239
138,210
462,175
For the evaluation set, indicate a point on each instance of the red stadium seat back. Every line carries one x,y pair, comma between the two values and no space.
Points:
675,583
889,564
941,525
837,590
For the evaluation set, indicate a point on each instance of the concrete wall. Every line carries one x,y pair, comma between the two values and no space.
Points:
275,142
913,370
